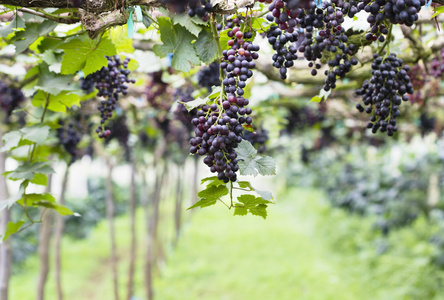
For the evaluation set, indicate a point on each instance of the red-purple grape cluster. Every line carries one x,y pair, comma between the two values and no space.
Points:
219,125
384,92
111,82
69,137
10,98
437,65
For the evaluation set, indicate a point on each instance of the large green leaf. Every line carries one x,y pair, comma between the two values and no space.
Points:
58,103
251,164
266,195
185,21
12,228
45,200
254,205
210,195
36,133
28,170
177,40
86,54
11,140
23,39
206,46
14,24
53,83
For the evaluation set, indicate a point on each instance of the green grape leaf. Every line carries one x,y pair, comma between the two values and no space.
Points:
23,39
14,24
266,195
177,40
120,39
11,140
212,181
254,205
54,60
316,99
31,199
9,202
240,211
53,83
260,24
146,21
12,228
259,210
47,201
210,195
266,166
251,164
195,103
28,170
40,179
206,46
85,54
215,92
57,103
438,10
36,133
185,21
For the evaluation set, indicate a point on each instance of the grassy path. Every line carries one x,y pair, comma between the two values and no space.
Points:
249,258
303,251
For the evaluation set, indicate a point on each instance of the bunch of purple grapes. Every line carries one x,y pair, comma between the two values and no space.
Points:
69,137
87,84
395,11
208,77
437,65
383,93
219,125
200,8
111,82
10,98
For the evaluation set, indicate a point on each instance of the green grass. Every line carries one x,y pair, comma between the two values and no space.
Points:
304,250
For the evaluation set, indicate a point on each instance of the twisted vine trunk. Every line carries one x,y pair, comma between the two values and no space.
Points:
43,248
110,216
133,204
5,247
60,225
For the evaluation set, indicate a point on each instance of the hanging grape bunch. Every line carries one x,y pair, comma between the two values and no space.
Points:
219,125
209,76
437,65
87,84
111,82
69,137
326,19
10,99
395,11
200,8
383,93
417,75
